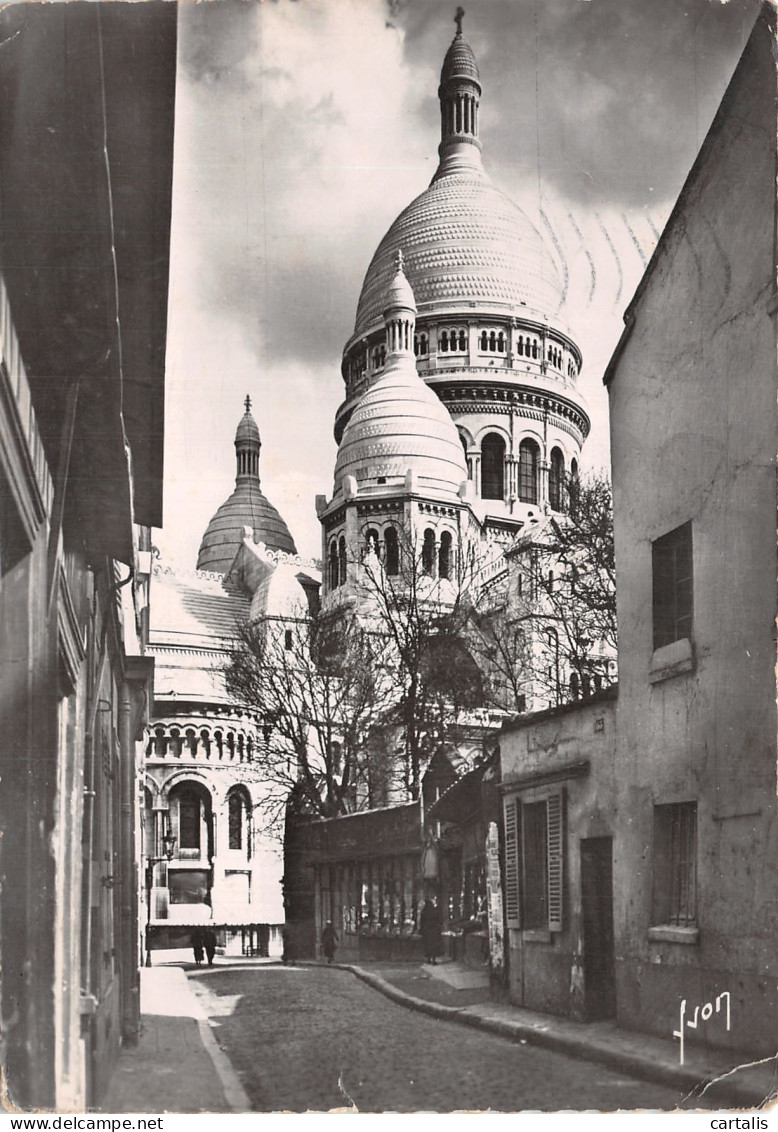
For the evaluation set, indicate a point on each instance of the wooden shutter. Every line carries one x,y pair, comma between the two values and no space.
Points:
512,893
554,819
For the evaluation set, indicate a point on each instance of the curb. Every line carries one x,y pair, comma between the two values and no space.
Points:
658,1074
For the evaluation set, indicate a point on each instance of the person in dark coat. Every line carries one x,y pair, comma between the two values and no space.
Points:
197,945
431,924
209,942
329,938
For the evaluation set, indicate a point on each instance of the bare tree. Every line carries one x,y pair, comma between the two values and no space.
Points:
417,604
317,685
568,593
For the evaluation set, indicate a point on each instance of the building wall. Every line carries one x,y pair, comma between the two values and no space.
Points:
692,399
574,750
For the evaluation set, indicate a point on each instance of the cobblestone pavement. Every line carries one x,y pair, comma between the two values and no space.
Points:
316,1039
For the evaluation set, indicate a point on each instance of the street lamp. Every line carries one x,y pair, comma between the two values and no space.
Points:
169,847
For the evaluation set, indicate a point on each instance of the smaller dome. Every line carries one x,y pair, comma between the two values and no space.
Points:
246,507
401,426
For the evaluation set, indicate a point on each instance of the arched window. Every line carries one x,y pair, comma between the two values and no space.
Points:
573,488
334,570
428,553
535,350
371,541
445,555
520,346
501,342
462,341
443,344
493,467
391,552
575,686
342,560
484,340
556,479
188,819
236,819
492,341
528,471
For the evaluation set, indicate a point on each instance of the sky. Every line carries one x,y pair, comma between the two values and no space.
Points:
303,127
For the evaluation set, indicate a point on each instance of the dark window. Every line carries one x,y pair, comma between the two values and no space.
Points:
428,553
188,886
235,810
334,570
528,471
288,639
534,834
556,475
445,555
189,820
493,467
672,583
391,552
342,560
462,340
675,864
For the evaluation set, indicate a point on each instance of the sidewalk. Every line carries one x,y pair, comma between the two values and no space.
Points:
455,992
176,1065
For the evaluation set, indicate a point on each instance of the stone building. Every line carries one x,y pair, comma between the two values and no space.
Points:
203,786
459,431
652,820
86,151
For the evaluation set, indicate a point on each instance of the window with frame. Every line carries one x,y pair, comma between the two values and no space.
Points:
391,552
533,861
528,471
493,467
674,891
556,476
235,812
672,577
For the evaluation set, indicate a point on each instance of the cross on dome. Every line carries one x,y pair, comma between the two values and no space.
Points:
458,19
247,403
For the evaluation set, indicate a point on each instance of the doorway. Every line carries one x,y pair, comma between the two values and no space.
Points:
597,922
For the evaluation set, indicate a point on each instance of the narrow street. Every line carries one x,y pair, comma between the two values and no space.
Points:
316,1039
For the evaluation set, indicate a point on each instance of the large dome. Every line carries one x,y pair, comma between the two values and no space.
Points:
466,245
401,425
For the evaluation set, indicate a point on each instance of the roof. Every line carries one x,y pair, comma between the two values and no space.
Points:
87,96
196,608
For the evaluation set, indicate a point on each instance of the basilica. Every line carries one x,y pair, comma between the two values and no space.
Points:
460,429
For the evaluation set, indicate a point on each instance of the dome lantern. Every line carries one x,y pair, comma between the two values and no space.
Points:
459,93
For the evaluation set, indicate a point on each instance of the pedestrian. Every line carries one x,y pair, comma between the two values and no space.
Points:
329,938
431,923
197,945
209,940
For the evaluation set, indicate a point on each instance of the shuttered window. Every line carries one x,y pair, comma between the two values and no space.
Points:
512,895
554,832
533,861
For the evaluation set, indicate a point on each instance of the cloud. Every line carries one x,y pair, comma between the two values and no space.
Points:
305,126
